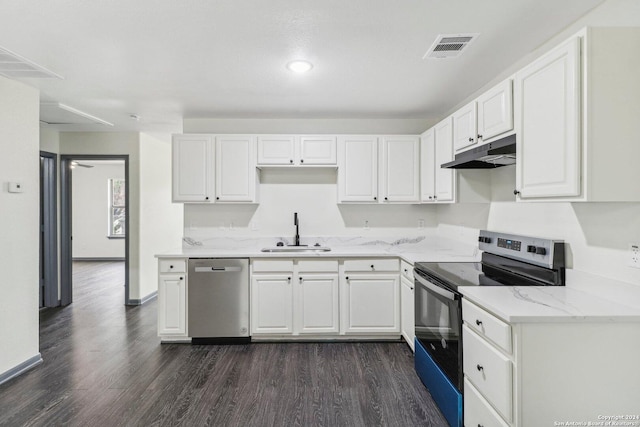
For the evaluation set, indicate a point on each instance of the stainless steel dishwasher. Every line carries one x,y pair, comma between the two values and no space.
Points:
218,300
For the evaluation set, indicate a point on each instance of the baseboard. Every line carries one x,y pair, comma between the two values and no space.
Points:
144,300
96,259
30,363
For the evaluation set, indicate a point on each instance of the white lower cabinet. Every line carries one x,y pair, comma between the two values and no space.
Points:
370,297
317,306
543,373
172,298
272,303
305,298
477,411
371,303
489,370
407,304
290,297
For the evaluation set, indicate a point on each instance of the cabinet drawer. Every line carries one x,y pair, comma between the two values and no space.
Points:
489,370
310,266
372,265
272,265
406,270
172,265
487,325
477,411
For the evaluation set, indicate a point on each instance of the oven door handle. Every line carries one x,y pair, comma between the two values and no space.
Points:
435,288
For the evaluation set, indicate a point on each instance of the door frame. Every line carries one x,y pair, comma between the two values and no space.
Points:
66,232
49,222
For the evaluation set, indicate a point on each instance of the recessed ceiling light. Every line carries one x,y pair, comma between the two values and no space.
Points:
299,66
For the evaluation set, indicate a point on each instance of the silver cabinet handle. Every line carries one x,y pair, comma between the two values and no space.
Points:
217,269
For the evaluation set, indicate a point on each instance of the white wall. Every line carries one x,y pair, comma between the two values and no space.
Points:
160,220
311,193
19,214
49,140
90,217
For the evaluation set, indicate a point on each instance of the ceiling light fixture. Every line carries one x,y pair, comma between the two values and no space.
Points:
299,66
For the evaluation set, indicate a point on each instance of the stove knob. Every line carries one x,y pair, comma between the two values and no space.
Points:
531,249
541,251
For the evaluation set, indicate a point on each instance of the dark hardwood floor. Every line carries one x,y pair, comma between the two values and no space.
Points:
105,366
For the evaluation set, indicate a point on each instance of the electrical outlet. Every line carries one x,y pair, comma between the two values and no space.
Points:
366,225
421,223
634,255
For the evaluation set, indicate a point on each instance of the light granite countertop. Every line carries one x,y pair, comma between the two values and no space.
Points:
525,304
411,250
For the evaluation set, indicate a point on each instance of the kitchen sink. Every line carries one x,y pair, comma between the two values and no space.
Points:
297,249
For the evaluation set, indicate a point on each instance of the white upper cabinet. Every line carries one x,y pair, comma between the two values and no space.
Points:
444,178
464,128
236,168
192,168
495,111
548,127
428,166
281,150
576,120
276,150
317,150
437,185
400,169
358,169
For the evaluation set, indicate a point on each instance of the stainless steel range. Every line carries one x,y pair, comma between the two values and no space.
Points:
507,260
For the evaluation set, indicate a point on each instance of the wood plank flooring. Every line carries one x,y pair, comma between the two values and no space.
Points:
105,366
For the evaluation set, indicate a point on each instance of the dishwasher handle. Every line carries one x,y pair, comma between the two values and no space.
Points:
217,269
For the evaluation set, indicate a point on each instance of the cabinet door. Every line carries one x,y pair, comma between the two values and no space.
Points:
317,305
235,169
548,125
401,169
358,169
172,305
445,178
192,168
407,310
372,303
271,304
464,128
427,166
495,111
318,150
276,150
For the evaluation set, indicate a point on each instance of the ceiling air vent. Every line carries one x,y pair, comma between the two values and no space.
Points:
15,66
450,45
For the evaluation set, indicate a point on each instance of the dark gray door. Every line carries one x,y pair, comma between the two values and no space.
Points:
48,230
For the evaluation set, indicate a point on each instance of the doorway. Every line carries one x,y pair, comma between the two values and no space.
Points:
48,296
116,228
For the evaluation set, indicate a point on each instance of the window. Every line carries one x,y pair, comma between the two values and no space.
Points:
117,208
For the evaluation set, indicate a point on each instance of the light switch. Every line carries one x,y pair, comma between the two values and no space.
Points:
15,187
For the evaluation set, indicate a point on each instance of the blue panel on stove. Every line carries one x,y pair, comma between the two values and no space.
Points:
444,393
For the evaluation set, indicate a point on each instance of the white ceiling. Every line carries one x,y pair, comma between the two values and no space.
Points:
165,60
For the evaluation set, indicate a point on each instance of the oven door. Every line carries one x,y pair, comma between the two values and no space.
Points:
438,321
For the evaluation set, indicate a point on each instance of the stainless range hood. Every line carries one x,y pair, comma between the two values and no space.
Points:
490,155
